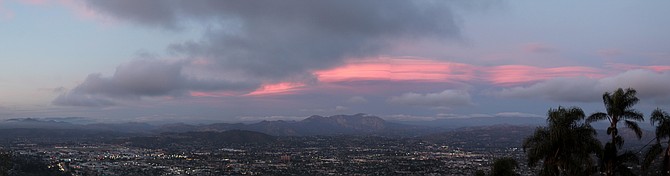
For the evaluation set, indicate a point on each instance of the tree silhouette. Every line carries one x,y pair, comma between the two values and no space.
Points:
619,106
662,119
611,163
504,167
565,146
480,173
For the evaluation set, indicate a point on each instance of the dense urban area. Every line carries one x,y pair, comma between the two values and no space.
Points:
463,154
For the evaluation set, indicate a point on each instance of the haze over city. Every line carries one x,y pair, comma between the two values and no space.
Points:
248,61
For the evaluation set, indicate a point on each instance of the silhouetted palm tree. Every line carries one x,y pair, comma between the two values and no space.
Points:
661,118
565,145
616,164
619,105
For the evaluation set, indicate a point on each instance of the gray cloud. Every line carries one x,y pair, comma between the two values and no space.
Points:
147,12
650,85
558,89
58,89
357,100
142,78
447,98
517,114
278,39
78,99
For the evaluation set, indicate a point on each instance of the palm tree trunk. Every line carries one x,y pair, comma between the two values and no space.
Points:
609,164
609,169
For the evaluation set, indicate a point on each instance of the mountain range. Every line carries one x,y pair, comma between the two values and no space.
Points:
356,124
361,124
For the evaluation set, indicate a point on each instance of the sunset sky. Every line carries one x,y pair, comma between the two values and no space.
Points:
241,61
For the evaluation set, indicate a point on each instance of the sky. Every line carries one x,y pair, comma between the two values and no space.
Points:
243,61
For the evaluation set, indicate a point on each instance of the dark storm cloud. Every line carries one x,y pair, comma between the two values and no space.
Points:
271,39
142,78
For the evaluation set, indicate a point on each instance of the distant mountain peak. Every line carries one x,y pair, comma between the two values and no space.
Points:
24,120
362,114
313,117
358,116
351,122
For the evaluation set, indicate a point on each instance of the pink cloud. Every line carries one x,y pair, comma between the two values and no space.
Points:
277,89
398,69
212,94
412,69
281,88
418,69
519,74
5,13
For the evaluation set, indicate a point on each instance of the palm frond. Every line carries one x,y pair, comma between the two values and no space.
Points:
632,114
659,116
535,146
598,116
633,126
662,118
607,101
663,130
629,98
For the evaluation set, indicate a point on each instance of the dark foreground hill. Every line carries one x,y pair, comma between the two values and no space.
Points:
20,164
